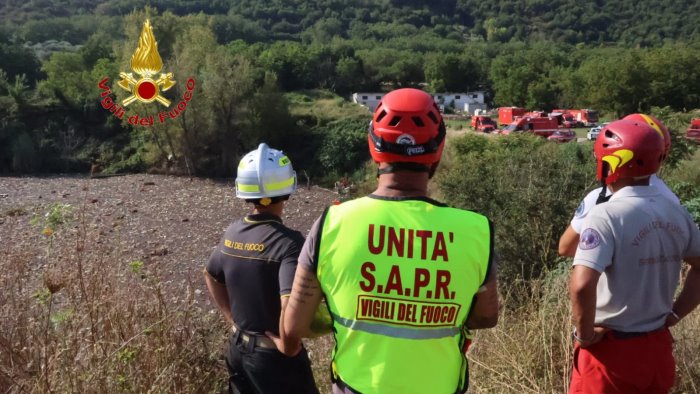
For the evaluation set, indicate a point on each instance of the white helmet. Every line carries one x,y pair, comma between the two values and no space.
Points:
265,172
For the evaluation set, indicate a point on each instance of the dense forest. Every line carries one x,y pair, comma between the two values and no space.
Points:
265,69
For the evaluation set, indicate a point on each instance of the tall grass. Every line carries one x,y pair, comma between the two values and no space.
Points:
72,320
530,349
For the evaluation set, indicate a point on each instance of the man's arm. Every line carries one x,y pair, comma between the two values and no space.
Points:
689,297
568,242
299,310
484,310
582,293
219,295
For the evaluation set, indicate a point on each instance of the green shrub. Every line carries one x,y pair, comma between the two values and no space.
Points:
693,207
343,148
527,186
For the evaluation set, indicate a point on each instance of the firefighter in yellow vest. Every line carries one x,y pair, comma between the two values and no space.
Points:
404,276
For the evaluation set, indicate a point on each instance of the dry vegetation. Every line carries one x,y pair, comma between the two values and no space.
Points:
102,292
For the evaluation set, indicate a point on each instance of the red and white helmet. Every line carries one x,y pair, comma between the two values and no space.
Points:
407,127
628,149
656,125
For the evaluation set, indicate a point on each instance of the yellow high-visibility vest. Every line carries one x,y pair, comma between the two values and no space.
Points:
399,277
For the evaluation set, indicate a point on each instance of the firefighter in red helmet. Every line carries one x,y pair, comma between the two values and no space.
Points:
570,238
626,270
404,276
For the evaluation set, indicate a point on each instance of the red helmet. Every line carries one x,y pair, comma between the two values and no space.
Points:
627,149
657,125
407,127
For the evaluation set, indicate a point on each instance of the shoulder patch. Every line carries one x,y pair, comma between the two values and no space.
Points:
581,209
590,239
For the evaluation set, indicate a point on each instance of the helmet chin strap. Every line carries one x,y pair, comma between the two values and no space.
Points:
602,196
604,190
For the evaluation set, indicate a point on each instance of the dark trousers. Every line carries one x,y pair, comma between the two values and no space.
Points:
256,370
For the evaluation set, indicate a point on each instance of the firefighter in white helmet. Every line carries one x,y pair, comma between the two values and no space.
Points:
250,275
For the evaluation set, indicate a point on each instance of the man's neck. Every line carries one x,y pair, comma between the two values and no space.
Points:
272,209
616,186
402,184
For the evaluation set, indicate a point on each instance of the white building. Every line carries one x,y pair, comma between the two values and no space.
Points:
468,102
369,100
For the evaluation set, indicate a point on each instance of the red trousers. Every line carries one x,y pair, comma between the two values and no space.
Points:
643,364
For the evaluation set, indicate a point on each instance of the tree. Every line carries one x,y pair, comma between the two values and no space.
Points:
349,75
619,83
15,59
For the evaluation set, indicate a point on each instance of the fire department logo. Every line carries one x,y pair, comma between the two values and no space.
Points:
146,86
146,62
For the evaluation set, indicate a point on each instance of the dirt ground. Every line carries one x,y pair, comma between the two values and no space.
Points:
168,224
172,220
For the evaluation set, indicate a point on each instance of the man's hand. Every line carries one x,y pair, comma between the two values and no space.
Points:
582,294
280,345
598,335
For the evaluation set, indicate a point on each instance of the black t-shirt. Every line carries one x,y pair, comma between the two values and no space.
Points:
256,260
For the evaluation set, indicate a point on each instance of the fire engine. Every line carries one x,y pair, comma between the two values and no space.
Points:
543,127
581,117
506,115
483,123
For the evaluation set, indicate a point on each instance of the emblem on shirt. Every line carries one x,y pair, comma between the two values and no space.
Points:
581,209
589,239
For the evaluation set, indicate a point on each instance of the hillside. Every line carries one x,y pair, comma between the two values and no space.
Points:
283,72
646,22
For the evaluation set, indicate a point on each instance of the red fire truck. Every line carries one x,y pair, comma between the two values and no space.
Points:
564,119
506,115
483,123
543,127
583,117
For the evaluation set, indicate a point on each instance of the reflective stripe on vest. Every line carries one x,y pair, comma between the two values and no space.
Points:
399,278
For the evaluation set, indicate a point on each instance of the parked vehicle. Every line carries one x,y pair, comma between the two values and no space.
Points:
543,127
581,117
564,119
563,135
594,131
483,123
693,133
507,115
536,114
585,117
569,121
